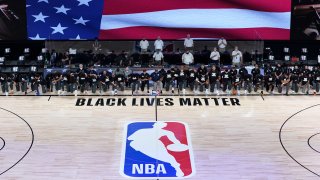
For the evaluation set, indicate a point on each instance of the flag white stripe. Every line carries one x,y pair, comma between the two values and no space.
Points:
199,18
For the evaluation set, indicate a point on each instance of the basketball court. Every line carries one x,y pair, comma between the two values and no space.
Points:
53,138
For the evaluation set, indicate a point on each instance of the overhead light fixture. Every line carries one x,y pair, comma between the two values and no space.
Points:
2,60
7,50
287,58
33,68
304,50
40,58
26,50
271,57
21,58
15,69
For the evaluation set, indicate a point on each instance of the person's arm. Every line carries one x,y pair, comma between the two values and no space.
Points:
60,78
192,59
211,55
233,54
162,59
3,6
183,57
171,137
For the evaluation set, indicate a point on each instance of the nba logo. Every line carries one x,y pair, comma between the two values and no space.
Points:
157,150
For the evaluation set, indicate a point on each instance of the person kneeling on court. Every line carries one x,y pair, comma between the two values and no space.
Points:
202,82
285,82
157,81
105,80
118,83
214,79
135,83
182,79
145,77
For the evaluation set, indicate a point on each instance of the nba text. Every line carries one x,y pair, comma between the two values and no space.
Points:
201,101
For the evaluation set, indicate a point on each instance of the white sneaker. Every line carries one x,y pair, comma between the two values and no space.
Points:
218,93
245,92
6,93
184,91
112,92
238,92
59,92
115,92
207,91
76,93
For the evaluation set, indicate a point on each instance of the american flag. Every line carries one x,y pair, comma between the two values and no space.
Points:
63,19
170,19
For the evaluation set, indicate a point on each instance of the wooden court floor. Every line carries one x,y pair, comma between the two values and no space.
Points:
270,139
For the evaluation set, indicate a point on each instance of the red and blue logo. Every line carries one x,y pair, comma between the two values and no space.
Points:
157,150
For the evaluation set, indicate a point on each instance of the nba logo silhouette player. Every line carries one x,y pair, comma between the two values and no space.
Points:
157,149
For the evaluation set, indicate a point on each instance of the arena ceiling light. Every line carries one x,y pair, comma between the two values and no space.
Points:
15,69
44,50
2,60
26,50
271,57
21,58
304,50
287,58
7,50
33,69
40,58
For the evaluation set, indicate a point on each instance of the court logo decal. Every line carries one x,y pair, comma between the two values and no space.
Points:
157,150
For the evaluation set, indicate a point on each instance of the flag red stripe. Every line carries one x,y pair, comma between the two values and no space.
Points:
140,6
134,33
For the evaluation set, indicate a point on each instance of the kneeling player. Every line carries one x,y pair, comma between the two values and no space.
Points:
214,79
305,83
270,81
226,81
236,82
202,81
118,83
258,82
